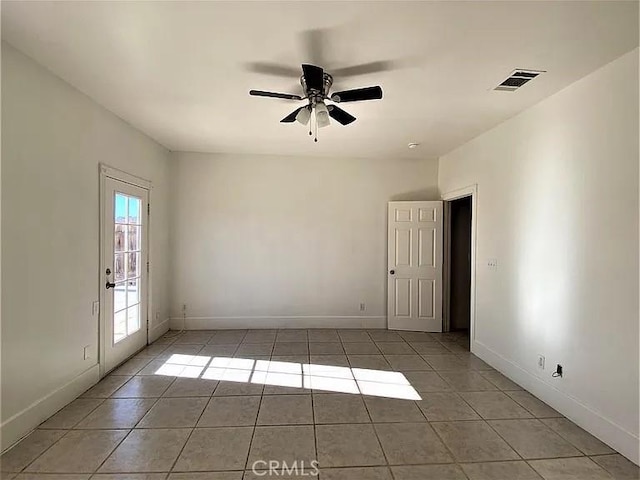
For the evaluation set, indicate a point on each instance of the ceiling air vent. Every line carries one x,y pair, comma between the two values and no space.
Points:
517,79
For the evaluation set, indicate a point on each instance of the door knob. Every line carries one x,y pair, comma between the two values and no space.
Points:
392,272
109,284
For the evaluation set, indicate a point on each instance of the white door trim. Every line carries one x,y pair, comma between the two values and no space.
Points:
123,176
446,266
469,191
116,174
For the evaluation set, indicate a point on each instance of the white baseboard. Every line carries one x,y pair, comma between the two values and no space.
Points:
616,436
157,331
211,323
20,424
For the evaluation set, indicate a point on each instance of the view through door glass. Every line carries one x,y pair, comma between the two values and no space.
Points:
126,265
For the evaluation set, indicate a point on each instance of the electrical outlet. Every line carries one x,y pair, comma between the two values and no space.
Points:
362,307
541,362
558,372
492,263
95,308
88,353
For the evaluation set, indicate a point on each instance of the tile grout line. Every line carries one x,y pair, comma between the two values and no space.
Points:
331,423
348,467
313,409
23,469
454,391
102,400
255,424
131,429
375,431
68,431
145,414
464,400
184,445
111,451
542,420
195,424
481,418
453,457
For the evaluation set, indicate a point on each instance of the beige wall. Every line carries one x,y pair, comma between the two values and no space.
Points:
265,236
53,138
558,208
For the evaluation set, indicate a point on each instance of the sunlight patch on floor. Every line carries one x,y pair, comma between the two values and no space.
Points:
332,378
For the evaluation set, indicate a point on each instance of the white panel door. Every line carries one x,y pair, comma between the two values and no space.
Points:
124,271
415,266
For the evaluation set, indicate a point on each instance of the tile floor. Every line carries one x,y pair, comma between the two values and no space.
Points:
366,404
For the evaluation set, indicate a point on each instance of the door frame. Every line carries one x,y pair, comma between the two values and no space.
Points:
116,174
469,191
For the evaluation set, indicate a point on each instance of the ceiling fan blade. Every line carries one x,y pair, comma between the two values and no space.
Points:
273,69
286,96
340,115
363,69
314,76
292,116
358,94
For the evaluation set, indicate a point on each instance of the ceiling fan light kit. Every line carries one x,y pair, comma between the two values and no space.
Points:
316,85
304,115
322,115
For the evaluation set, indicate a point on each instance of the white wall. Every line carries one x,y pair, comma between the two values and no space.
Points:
259,238
558,208
53,138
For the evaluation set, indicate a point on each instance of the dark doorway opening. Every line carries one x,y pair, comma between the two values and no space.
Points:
460,267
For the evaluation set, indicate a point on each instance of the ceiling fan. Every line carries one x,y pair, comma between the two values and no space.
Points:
316,84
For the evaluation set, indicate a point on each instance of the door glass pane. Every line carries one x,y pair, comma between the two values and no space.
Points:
119,240
120,210
133,264
133,319
127,258
134,238
119,297
134,210
118,267
133,297
119,325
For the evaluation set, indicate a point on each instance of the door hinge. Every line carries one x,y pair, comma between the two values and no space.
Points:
148,209
147,267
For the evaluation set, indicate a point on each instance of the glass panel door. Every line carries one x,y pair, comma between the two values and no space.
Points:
127,255
124,269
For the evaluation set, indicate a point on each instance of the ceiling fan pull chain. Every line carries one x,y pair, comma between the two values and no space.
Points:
316,124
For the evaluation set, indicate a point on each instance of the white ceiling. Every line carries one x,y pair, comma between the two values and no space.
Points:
178,70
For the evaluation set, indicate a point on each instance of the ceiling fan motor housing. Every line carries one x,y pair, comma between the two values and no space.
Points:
314,94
